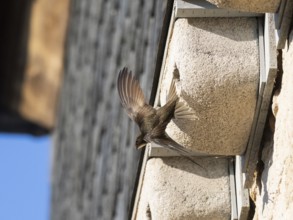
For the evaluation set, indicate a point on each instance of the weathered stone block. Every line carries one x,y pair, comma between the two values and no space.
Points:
248,5
175,188
218,66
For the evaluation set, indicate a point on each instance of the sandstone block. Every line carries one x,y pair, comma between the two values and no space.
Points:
248,5
217,61
175,188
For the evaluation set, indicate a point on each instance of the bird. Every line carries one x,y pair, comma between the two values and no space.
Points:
151,121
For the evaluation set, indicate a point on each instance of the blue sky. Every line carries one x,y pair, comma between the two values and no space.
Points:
24,177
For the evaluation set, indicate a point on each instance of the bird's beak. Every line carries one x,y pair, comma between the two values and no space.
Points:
141,146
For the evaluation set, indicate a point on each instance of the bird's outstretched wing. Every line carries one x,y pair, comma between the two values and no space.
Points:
131,94
168,143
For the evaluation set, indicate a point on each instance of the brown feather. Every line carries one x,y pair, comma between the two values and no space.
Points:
131,94
167,142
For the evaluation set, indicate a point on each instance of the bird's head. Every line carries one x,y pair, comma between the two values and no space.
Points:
140,142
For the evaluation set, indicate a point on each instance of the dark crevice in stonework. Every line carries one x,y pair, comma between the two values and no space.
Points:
251,210
176,73
148,212
278,81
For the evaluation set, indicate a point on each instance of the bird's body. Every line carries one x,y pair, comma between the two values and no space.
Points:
152,122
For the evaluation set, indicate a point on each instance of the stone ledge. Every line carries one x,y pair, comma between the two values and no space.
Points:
248,5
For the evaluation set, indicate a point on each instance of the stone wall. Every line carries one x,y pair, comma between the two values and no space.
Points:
94,159
273,191
215,62
163,188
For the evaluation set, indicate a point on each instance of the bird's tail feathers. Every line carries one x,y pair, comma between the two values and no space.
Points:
185,153
172,91
182,110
